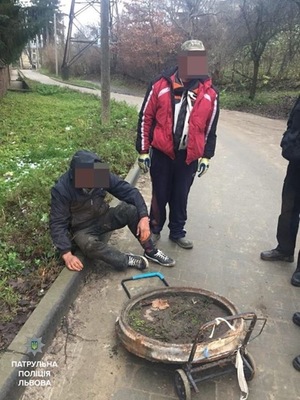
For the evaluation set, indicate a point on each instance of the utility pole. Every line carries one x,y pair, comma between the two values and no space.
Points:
71,54
55,44
105,63
37,52
65,66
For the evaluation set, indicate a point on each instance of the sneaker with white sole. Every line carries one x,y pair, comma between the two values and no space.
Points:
160,258
137,262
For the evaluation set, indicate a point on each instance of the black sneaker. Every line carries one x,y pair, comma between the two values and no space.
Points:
296,363
160,258
138,262
296,318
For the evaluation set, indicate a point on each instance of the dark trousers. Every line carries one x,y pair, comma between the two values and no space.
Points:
288,221
92,240
171,183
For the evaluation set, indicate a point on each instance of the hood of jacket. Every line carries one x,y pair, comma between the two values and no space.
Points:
82,157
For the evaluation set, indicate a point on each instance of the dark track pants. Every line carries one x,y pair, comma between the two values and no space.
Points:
288,221
171,183
92,240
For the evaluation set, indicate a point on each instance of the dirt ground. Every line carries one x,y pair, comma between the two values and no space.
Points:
31,286
176,317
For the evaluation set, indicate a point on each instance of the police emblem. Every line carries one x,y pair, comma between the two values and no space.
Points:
34,346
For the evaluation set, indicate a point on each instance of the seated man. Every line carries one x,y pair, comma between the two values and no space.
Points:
80,213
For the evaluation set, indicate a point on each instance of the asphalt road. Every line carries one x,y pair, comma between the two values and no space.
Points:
233,212
36,76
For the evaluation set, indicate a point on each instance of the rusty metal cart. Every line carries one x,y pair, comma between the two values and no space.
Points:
200,360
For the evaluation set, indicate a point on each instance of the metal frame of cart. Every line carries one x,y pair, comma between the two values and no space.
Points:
197,366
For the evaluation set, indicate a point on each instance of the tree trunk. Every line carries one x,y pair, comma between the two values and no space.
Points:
283,65
254,78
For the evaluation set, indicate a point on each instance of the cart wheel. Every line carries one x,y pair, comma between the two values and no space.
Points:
249,366
182,385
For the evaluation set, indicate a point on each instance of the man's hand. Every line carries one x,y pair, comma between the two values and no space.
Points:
143,229
72,262
203,165
144,162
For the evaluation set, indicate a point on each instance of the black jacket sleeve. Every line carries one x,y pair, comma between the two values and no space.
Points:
294,118
60,218
210,146
123,191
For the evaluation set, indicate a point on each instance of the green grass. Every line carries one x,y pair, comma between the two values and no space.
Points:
273,104
40,131
8,301
119,83
72,81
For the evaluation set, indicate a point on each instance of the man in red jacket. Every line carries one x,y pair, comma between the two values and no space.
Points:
177,137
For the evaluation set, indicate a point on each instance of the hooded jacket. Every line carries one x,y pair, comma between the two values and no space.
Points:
72,209
156,119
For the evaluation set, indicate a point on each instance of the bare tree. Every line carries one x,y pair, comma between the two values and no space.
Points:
186,15
146,39
288,44
255,24
256,39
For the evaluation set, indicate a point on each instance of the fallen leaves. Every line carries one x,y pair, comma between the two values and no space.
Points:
160,304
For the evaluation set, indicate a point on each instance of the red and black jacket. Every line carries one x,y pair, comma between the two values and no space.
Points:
156,119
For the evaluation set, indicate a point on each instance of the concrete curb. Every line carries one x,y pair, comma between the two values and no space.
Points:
43,323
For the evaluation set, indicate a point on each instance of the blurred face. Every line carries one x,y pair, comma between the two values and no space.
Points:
192,65
89,176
